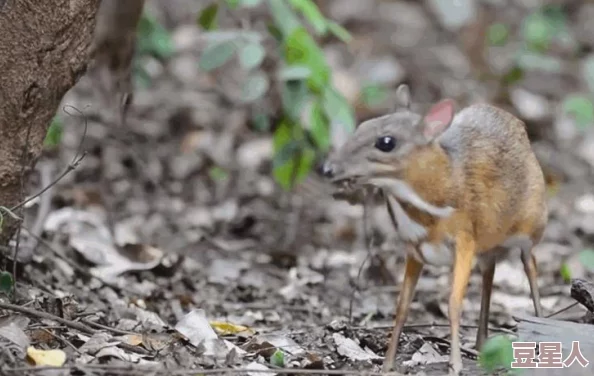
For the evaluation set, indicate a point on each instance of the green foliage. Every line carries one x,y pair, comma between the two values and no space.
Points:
497,352
153,38
497,34
54,134
254,87
565,272
586,257
373,95
580,107
278,359
541,28
217,173
310,103
293,158
251,55
6,282
208,17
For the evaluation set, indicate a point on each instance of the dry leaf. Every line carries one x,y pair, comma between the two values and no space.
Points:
224,328
55,358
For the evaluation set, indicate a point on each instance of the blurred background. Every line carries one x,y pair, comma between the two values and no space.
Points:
207,175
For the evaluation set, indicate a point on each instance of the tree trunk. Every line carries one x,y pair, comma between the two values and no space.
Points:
114,45
44,50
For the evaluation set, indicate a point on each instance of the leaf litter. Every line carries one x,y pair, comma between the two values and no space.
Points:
178,217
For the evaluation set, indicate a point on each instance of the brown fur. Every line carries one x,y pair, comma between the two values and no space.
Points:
498,189
481,165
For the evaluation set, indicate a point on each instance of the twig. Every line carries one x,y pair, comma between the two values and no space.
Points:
446,342
429,325
561,310
44,315
78,157
72,324
369,245
45,204
181,372
61,339
21,194
105,327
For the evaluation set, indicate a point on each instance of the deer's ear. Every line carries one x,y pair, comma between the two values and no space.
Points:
438,118
403,97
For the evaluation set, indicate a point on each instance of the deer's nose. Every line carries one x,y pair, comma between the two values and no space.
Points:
328,169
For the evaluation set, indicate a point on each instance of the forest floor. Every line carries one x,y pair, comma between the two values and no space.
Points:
173,224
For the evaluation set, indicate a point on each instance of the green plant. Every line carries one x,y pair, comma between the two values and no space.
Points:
586,259
53,136
278,358
497,353
6,282
152,40
310,103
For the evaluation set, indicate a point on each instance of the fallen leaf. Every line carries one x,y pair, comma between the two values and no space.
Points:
55,358
14,334
426,355
281,341
224,328
90,236
132,339
196,328
254,367
350,349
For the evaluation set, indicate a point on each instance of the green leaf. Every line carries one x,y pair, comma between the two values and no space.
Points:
338,109
497,34
339,32
565,272
276,32
294,95
496,352
588,72
536,31
529,60
254,87
278,358
6,282
586,258
261,122
251,55
233,4
294,72
284,17
141,77
312,13
217,173
54,134
292,159
301,49
208,17
320,129
540,28
514,75
250,3
581,108
373,95
216,55
153,38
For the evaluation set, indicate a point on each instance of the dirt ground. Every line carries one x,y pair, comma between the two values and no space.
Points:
184,190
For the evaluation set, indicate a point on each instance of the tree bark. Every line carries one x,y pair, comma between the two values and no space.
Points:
44,50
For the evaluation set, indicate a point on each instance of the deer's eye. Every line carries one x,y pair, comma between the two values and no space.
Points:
385,143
